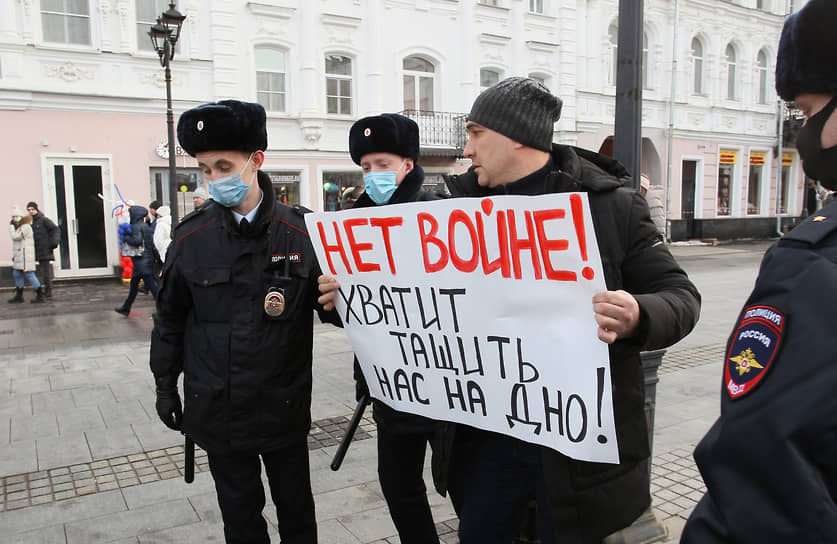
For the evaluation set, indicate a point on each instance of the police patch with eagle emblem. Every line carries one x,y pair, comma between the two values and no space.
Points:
753,349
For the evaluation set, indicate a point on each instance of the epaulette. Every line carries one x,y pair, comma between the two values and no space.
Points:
300,210
816,228
191,215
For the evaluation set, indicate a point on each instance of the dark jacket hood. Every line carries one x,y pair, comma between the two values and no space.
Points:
137,213
574,170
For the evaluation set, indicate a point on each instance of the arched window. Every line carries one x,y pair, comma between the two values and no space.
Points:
762,72
488,77
613,36
338,71
730,60
697,66
270,78
418,84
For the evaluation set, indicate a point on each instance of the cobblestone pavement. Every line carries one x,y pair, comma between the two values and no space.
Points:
83,458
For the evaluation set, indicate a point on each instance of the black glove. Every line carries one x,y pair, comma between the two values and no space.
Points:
168,404
361,389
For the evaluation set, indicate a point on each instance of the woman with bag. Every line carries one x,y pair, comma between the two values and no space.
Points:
139,245
23,265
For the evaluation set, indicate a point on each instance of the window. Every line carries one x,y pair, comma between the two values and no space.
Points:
726,171
286,186
338,84
147,13
730,60
66,21
488,78
490,2
418,84
762,72
536,6
270,78
697,66
645,61
613,36
336,184
757,159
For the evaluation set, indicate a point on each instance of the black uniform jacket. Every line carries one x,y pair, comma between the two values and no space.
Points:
770,461
409,190
247,376
591,500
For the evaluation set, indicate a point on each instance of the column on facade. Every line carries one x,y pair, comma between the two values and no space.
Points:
374,80
9,22
308,70
227,70
465,53
566,76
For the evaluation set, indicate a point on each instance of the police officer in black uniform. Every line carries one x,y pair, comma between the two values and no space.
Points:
234,316
769,460
386,147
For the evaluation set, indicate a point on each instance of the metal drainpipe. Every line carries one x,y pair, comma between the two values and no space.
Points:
671,118
779,169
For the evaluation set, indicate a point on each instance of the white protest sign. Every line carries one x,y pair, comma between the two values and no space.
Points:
478,311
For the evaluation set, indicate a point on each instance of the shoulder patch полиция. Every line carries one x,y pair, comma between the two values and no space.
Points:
753,349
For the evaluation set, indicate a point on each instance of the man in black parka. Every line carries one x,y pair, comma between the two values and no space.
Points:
769,460
47,237
650,303
234,316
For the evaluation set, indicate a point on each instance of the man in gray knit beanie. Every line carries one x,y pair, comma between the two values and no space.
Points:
510,129
519,108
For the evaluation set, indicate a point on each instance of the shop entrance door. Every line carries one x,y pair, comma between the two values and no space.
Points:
75,187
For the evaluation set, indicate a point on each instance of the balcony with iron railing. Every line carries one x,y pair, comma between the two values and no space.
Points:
441,134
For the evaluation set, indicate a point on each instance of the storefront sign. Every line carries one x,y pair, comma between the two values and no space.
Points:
787,159
163,150
757,158
728,156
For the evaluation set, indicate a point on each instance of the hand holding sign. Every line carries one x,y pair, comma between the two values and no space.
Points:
479,311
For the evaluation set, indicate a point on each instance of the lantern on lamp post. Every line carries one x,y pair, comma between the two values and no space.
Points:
164,36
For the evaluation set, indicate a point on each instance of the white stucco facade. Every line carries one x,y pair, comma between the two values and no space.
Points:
82,96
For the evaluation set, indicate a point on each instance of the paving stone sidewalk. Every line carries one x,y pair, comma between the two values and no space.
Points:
83,458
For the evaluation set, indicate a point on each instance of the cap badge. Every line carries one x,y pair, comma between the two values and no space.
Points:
200,126
367,132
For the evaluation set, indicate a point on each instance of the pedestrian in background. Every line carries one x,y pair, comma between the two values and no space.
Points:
23,255
162,234
769,460
139,237
653,195
199,196
47,237
235,317
649,304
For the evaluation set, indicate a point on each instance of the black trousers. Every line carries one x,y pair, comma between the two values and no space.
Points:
400,471
493,478
241,497
44,269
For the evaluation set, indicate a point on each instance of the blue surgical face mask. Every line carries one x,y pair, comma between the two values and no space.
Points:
231,190
381,185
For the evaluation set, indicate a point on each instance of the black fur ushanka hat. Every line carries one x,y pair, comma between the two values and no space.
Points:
228,125
807,57
385,133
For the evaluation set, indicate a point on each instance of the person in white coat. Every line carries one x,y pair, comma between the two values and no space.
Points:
23,255
162,233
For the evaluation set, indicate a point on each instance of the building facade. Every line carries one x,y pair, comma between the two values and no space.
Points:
82,98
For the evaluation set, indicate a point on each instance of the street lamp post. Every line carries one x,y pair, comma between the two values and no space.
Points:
164,36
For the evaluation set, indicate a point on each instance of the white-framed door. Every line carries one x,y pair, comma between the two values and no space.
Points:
78,193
